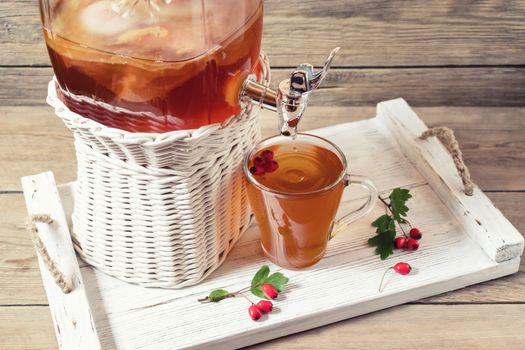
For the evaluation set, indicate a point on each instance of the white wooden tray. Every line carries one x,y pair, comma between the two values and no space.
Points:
467,241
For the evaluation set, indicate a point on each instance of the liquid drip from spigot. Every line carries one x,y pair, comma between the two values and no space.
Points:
289,130
290,108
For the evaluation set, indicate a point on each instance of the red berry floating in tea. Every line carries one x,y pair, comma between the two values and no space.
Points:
273,166
259,161
257,170
267,153
264,163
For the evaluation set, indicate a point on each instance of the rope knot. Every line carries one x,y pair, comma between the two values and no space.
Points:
51,265
447,137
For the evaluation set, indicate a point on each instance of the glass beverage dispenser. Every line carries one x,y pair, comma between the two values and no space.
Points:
164,65
151,65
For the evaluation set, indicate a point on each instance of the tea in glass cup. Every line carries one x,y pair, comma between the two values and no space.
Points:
295,187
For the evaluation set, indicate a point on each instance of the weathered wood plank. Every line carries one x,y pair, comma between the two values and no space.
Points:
377,33
491,139
483,86
21,282
71,312
479,327
26,328
32,141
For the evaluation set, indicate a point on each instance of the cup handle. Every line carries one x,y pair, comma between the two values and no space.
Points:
363,210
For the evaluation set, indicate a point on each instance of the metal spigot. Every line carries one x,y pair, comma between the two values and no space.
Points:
291,97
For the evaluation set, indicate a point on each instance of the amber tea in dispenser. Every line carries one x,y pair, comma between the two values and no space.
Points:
151,65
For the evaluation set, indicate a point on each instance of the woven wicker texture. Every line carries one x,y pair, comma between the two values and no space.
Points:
160,210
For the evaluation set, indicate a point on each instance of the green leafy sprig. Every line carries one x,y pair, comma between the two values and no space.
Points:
386,224
262,276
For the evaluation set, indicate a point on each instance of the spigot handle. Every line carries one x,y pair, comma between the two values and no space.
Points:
293,94
290,98
304,79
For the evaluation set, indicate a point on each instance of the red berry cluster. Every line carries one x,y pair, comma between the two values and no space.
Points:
264,285
409,242
264,163
263,306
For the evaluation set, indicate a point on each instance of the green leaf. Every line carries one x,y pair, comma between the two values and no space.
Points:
381,221
384,223
374,241
278,280
384,243
398,199
261,276
218,295
257,291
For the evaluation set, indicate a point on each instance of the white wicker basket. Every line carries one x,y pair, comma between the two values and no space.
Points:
160,210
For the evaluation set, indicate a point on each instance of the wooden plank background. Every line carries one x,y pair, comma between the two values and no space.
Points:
460,53
462,63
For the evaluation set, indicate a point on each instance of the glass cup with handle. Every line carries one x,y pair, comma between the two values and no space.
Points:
295,187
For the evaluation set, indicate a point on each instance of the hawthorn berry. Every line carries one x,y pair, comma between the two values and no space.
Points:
265,306
400,242
254,312
259,162
402,268
264,163
272,166
268,154
415,233
269,290
257,170
412,244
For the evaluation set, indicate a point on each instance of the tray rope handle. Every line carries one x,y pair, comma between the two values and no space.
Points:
448,139
51,265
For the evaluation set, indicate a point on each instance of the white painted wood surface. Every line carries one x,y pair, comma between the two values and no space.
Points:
454,253
477,214
71,313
